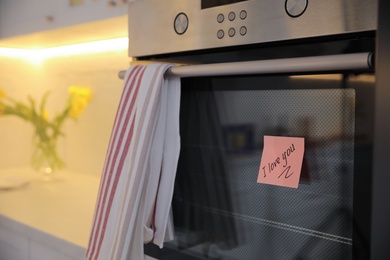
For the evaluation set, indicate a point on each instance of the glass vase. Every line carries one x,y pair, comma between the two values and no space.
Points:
45,158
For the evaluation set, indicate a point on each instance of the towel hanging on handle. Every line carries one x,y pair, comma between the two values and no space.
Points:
134,200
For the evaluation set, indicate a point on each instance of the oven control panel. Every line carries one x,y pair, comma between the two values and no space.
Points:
162,27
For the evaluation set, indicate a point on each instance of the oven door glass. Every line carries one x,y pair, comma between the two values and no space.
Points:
220,211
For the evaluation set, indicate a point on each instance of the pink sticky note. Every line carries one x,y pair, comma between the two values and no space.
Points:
281,161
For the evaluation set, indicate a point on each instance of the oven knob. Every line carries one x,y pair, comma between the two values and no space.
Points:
295,8
232,16
243,30
220,34
220,18
232,32
181,23
243,15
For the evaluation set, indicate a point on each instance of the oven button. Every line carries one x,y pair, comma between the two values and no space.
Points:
220,34
243,30
220,18
181,23
243,15
295,8
232,16
231,32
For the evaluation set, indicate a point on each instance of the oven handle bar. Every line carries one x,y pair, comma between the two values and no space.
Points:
340,62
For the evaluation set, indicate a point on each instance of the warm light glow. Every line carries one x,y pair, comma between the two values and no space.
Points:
14,53
39,55
364,78
86,48
32,56
368,78
336,77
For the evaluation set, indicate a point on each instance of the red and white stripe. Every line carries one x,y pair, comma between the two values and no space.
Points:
136,187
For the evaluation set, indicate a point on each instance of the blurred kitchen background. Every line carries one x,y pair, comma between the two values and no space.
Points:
31,64
45,46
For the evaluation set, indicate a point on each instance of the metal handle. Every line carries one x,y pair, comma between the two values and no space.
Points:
338,62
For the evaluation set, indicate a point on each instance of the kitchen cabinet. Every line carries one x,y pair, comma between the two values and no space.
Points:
89,11
21,17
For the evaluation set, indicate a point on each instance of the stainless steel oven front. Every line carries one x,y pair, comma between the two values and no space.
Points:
256,70
163,27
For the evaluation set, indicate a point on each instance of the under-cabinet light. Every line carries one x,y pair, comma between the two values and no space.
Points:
14,53
39,55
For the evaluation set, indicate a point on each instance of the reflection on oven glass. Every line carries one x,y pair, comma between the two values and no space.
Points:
238,138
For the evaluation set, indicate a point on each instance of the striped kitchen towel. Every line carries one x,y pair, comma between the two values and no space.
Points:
134,200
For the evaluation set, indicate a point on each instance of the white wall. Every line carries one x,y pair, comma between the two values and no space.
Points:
86,141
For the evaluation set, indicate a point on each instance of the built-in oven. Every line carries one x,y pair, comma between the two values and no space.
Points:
267,84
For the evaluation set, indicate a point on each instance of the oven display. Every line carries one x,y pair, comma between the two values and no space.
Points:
213,3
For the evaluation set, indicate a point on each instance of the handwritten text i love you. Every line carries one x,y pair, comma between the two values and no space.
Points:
281,161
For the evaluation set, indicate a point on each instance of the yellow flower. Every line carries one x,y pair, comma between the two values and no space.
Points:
2,105
45,115
81,92
2,94
80,96
77,107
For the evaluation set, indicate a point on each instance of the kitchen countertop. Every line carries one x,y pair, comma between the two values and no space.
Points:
57,214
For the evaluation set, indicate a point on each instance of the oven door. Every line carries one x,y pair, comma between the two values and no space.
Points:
220,211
